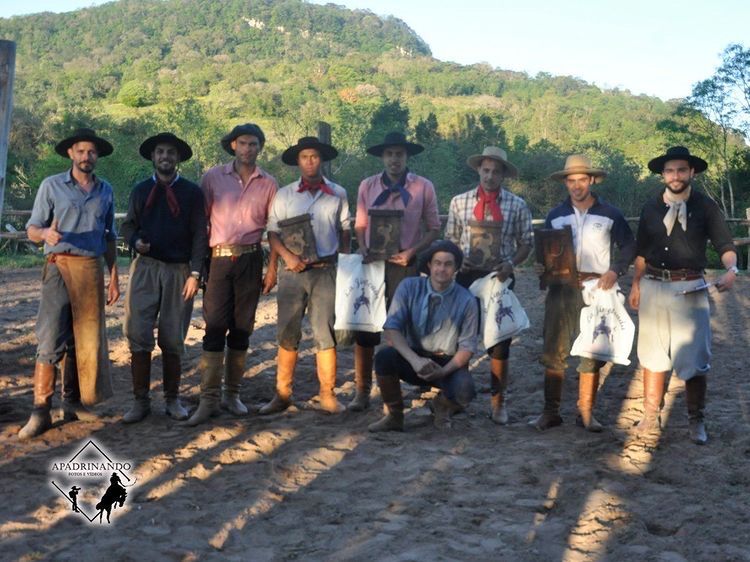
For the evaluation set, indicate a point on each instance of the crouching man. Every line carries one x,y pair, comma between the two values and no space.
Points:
431,333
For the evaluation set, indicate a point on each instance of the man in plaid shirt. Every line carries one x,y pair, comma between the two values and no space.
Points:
489,208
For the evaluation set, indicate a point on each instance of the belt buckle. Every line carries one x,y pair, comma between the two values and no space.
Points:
666,275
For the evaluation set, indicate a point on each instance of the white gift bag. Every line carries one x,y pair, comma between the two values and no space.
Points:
502,315
360,294
606,328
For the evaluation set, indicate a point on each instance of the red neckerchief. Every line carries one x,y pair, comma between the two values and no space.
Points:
490,199
174,206
312,188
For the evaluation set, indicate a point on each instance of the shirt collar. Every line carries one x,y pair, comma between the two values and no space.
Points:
174,181
402,181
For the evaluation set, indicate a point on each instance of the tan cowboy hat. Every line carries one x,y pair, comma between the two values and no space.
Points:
579,164
496,154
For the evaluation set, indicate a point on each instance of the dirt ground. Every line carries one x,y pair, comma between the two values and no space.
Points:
309,486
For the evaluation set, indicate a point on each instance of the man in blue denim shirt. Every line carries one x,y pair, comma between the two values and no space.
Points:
431,332
73,215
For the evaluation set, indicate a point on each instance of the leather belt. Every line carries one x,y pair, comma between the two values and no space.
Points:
672,274
234,250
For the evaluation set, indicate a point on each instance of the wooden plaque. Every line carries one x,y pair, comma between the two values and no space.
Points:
385,233
297,235
554,250
485,244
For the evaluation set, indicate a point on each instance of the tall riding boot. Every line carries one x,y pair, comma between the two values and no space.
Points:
362,378
234,369
550,417
390,390
498,386
286,360
326,363
212,367
140,368
653,394
443,409
44,387
171,367
588,384
695,396
72,409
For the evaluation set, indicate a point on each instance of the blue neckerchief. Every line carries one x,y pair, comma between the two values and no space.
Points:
431,318
399,187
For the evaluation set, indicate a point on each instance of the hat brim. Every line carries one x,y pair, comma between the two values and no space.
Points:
476,160
657,164
412,149
327,152
598,173
103,147
183,149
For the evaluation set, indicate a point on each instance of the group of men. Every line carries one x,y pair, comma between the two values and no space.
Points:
433,321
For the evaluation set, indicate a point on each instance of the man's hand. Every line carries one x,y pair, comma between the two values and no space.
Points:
142,247
634,299
726,281
403,258
269,279
365,253
424,367
113,290
190,288
607,281
295,263
504,270
51,235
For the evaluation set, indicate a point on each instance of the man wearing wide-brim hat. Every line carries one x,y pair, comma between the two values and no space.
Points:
397,189
73,215
595,225
668,289
491,211
238,199
307,285
166,227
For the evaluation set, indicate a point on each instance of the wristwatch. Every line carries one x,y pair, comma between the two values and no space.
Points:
733,269
195,275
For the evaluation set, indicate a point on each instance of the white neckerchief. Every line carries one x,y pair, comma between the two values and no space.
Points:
677,209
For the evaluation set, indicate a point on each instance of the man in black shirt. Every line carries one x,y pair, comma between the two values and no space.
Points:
669,290
166,226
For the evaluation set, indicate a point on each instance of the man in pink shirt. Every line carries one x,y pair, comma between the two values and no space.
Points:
238,199
396,189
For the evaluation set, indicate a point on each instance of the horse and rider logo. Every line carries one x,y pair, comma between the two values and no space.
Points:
362,300
93,471
602,329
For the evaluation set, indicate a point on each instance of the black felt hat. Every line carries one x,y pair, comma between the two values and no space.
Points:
183,148
103,147
440,246
395,139
677,153
238,131
327,152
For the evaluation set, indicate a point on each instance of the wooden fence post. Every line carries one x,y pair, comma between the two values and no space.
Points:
7,71
324,135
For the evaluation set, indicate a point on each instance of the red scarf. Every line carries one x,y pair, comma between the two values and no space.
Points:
174,206
312,188
490,199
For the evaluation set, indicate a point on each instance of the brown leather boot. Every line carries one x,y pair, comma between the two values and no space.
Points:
498,386
212,368
362,378
695,396
443,408
326,363
286,360
390,390
234,370
588,384
140,368
550,417
171,366
44,387
653,394
72,409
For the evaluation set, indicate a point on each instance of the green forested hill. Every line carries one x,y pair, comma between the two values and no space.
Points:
198,67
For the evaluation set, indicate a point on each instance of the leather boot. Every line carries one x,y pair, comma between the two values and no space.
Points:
390,390
234,369
44,387
326,363
171,367
550,417
287,360
443,408
140,368
362,378
498,386
212,367
653,394
72,409
695,396
588,384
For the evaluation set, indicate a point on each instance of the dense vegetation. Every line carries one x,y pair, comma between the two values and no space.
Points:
198,67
